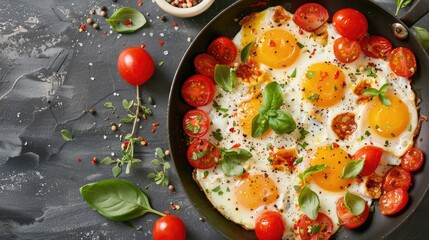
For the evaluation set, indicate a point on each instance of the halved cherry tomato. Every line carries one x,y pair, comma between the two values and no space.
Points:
205,64
393,201
345,50
372,156
412,160
202,154
350,23
375,46
269,225
307,227
402,62
347,219
169,228
310,16
135,65
198,90
397,177
223,50
196,123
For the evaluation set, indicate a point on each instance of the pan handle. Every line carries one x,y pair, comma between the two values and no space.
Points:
417,11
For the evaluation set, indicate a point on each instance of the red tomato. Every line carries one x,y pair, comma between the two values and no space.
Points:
372,156
198,90
196,123
397,177
412,160
202,154
135,65
169,228
223,50
393,201
350,23
345,50
269,225
307,227
310,16
402,62
205,64
347,219
375,46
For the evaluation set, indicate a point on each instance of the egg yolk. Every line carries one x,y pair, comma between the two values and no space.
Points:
324,84
277,48
389,121
250,109
250,26
255,191
330,179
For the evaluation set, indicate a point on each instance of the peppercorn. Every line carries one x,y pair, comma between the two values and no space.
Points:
89,20
114,0
92,111
103,13
95,26
167,153
171,188
164,18
114,127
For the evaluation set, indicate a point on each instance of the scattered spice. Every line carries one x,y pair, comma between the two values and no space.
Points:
174,24
103,13
92,11
160,42
104,8
139,3
89,20
92,111
79,159
154,126
424,117
128,22
82,28
171,187
114,127
142,45
163,18
94,160
95,26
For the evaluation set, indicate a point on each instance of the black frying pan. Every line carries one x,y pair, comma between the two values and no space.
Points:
380,23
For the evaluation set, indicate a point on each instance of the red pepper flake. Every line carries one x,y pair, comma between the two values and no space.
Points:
139,3
172,206
160,42
272,43
82,28
300,31
334,145
94,160
359,180
237,145
337,74
232,130
424,117
124,145
174,24
128,22
314,52
167,213
142,45
79,159
154,126
260,3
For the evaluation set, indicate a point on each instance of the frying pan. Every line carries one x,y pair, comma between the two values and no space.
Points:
380,23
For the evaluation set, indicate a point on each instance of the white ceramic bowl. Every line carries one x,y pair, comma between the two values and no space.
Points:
184,12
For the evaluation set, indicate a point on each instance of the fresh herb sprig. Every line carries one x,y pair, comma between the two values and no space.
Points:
381,94
231,160
160,177
244,55
225,77
353,168
401,4
354,203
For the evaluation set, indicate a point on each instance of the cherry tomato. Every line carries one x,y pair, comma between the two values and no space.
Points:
196,123
397,177
402,62
310,16
135,65
223,50
412,160
270,225
393,201
205,64
169,228
350,23
347,219
198,90
319,229
202,154
372,156
375,46
345,50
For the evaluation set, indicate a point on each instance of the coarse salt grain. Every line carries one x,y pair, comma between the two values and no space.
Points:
92,78
90,64
161,35
165,52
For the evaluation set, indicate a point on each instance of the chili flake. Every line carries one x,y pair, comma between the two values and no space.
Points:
82,28
79,159
128,22
154,126
160,42
139,3
94,160
424,117
142,45
174,24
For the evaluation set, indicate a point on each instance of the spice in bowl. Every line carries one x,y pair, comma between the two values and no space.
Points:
184,3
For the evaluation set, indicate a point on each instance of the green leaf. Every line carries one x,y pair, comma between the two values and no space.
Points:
309,202
354,203
384,99
127,120
150,100
128,168
217,135
231,161
159,153
300,45
303,133
401,4
117,200
126,20
313,97
272,97
128,136
155,162
109,105
353,168
167,165
225,77
151,175
67,135
423,36
293,75
384,88
125,104
259,125
370,92
316,228
116,170
312,170
282,123
107,161
310,74
245,52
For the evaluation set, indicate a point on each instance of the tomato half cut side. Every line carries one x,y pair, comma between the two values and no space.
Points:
393,201
196,123
412,160
310,16
347,219
372,157
350,23
322,222
223,50
202,154
375,46
205,64
198,90
345,50
397,177
269,225
169,227
403,62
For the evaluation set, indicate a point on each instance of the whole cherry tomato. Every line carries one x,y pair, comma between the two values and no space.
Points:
270,225
135,65
169,228
350,23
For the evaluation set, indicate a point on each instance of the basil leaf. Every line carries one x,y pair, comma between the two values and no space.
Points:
126,20
353,168
401,4
259,125
272,96
384,88
423,36
370,92
67,135
293,75
225,77
245,52
309,202
312,170
232,159
384,99
354,203
283,122
116,199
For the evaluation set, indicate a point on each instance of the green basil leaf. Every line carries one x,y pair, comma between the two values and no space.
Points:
423,36
245,52
282,123
155,162
293,75
236,154
107,161
371,92
384,88
116,199
312,170
354,203
225,77
272,97
67,135
384,99
309,202
353,168
316,228
231,168
259,125
126,20
217,136
116,170
127,120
